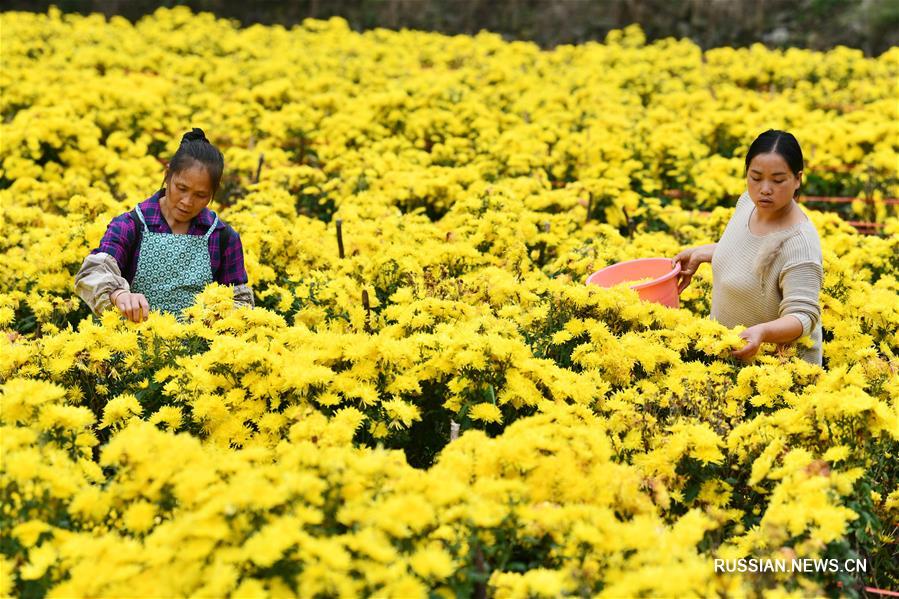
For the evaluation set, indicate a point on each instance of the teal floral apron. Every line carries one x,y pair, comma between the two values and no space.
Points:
172,269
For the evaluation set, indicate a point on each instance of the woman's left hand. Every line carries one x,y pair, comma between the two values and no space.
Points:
754,337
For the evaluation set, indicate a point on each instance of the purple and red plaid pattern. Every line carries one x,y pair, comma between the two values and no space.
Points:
120,242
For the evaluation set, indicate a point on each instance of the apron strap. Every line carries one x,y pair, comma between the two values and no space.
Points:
212,227
140,215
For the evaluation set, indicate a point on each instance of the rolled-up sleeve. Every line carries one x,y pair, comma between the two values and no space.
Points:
800,285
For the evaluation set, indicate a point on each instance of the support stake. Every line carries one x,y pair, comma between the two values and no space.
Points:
367,307
627,221
259,168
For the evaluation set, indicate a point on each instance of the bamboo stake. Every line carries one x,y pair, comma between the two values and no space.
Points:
367,307
259,168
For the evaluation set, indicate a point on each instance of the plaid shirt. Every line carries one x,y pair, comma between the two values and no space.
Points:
120,241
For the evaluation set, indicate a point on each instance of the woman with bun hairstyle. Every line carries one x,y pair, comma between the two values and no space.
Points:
767,268
160,255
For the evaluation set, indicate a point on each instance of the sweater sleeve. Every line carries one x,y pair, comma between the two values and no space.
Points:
243,295
98,277
800,285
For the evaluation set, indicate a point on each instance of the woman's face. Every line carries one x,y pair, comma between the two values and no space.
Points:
771,182
188,192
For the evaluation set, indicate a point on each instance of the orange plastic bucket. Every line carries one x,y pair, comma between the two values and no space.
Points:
662,289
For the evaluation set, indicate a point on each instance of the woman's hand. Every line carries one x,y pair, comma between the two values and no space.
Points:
754,337
133,305
690,260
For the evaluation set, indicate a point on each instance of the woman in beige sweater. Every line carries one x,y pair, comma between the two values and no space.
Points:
767,267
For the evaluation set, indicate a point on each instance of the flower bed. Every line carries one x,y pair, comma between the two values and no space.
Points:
607,446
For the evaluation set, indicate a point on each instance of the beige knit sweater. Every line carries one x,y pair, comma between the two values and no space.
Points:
760,278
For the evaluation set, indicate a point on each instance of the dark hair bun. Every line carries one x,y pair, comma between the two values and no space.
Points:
195,134
195,148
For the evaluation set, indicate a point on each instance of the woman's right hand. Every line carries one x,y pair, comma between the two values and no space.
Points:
133,305
690,259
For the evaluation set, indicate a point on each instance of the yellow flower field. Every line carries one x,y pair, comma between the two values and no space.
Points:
303,447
